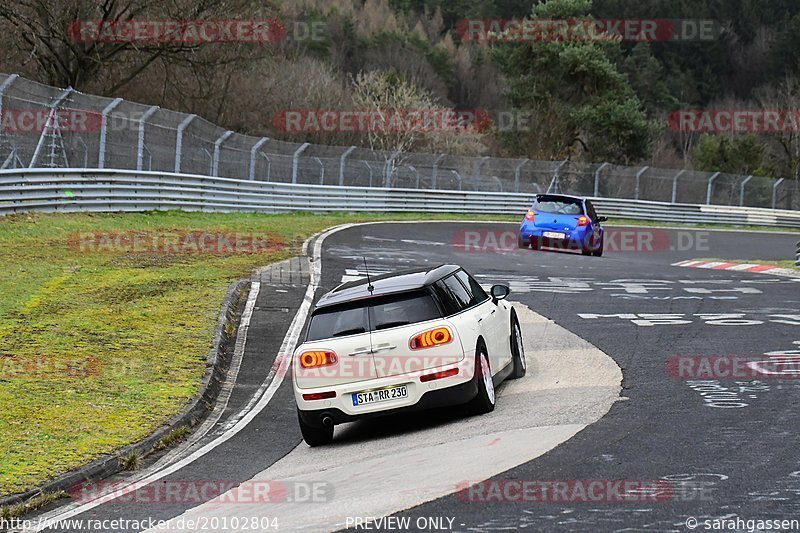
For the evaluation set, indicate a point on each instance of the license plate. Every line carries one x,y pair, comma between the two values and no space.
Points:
380,395
554,235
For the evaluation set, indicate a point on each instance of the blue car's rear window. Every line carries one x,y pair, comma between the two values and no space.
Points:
558,207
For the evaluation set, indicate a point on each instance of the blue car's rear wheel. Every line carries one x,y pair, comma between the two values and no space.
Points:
599,251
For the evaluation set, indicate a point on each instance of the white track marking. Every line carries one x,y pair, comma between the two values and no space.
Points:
570,385
270,386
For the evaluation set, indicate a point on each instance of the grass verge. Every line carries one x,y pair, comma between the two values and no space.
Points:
98,349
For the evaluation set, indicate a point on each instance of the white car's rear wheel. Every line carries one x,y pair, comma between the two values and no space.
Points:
315,436
484,402
517,350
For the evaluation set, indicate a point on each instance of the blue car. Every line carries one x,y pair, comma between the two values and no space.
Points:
563,222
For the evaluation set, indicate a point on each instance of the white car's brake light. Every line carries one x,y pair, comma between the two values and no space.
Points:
431,338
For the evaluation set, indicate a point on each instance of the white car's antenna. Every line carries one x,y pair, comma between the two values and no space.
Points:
370,287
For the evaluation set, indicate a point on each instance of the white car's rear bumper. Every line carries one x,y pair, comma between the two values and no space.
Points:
452,390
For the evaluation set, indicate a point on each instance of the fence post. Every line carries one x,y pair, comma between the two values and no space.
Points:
369,167
101,156
342,161
296,160
179,141
5,85
253,152
639,180
53,105
476,176
518,173
597,179
460,179
414,170
322,173
775,191
435,174
388,171
711,187
140,145
217,147
741,193
675,186
269,166
554,185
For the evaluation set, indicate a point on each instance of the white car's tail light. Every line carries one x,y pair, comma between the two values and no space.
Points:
431,339
317,358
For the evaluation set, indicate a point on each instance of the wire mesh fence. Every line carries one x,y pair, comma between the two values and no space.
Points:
48,127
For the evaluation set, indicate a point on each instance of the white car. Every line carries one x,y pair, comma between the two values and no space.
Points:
405,341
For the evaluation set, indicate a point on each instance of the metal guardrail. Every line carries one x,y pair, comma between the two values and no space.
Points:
82,190
54,128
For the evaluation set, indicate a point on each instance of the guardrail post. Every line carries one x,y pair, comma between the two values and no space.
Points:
217,147
140,145
518,174
342,162
675,185
55,103
775,191
101,156
296,160
741,192
597,179
639,180
179,141
435,173
253,152
711,187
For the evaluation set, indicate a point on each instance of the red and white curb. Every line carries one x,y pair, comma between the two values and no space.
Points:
739,267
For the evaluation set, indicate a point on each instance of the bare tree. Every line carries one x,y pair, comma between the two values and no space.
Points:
43,36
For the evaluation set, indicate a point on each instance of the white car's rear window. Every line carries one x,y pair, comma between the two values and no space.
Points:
384,313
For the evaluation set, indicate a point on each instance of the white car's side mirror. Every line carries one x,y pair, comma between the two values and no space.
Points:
500,292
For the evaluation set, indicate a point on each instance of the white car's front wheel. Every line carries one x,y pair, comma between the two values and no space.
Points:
484,402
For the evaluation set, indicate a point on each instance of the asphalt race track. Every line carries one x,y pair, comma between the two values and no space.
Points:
713,448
